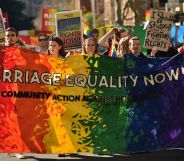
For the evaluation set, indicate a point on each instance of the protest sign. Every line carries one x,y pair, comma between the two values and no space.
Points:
48,19
48,33
158,30
69,28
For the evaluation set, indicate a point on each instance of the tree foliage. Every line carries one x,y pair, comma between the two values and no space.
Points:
88,17
131,4
16,17
119,12
122,13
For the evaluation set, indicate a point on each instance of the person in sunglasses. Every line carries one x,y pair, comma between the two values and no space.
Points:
43,43
12,39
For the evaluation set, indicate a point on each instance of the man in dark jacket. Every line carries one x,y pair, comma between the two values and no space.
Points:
135,47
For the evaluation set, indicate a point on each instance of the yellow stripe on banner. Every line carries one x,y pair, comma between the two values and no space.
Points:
65,130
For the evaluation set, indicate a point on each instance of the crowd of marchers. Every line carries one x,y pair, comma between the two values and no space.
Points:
121,39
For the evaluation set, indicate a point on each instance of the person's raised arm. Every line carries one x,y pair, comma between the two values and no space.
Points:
104,39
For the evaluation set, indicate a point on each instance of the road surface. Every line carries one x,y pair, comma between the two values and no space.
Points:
168,155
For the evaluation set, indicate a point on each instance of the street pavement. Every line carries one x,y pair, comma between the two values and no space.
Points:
167,155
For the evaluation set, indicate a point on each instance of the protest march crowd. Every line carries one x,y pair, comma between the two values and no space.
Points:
118,42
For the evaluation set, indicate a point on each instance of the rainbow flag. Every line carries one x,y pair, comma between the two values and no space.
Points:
113,52
147,14
87,30
89,103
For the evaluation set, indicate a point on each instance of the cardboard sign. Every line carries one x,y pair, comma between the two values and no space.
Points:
68,28
158,31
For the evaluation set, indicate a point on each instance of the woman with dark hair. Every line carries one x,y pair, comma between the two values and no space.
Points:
90,46
56,47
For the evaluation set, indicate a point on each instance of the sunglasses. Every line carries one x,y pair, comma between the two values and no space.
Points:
42,40
11,35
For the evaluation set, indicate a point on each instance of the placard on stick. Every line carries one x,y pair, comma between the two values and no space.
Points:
69,28
158,31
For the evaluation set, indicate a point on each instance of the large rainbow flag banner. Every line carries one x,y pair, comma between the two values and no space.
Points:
89,103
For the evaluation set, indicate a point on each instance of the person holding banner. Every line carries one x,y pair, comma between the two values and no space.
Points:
56,47
135,47
43,43
181,49
12,39
90,46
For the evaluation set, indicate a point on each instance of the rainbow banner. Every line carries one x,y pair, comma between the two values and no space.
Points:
89,103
